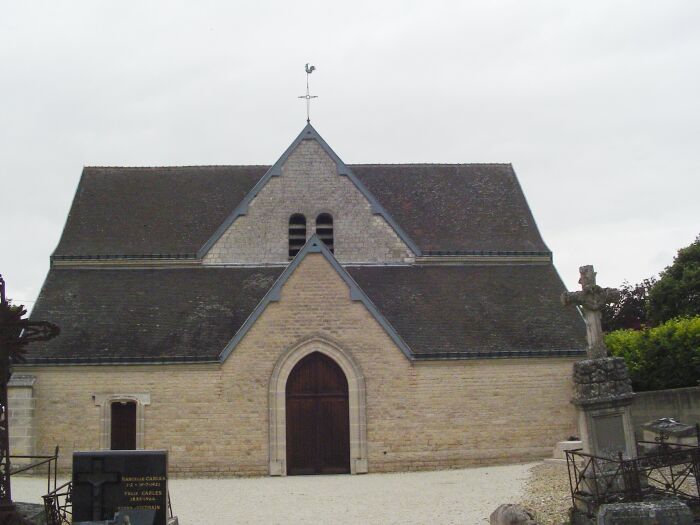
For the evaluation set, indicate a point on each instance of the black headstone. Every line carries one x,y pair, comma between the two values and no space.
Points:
108,481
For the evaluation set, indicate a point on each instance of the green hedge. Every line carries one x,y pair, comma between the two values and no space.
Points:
667,356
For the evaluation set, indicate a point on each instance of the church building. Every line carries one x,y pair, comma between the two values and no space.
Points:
308,317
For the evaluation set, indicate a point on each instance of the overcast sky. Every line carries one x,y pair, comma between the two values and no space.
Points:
596,105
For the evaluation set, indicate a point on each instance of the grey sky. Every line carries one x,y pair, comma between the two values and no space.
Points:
596,104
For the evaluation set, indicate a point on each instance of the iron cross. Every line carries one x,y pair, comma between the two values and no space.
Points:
308,97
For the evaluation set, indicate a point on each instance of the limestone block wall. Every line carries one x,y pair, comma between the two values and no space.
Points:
20,400
215,418
682,404
310,185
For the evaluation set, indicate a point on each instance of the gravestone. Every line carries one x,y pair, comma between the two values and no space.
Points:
110,481
666,433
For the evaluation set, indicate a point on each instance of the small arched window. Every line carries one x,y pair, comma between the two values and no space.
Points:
324,229
297,234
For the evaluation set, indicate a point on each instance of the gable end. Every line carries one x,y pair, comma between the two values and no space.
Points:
308,133
315,245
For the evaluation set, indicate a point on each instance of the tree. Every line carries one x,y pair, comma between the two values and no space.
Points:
630,312
677,292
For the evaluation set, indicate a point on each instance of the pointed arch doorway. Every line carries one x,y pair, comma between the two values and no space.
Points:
317,417
356,402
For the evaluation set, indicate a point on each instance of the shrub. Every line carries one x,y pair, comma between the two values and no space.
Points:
666,356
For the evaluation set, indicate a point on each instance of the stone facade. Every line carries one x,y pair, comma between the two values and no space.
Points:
309,185
215,419
21,405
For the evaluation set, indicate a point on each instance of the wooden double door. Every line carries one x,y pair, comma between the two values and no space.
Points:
318,421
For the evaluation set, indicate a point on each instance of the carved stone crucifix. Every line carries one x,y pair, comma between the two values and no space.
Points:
591,299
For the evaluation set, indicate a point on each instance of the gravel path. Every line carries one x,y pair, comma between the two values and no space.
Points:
466,496
547,493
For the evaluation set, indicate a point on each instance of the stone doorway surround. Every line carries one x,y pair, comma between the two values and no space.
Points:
356,403
104,401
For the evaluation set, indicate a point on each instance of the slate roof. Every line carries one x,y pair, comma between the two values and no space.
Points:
174,211
154,315
455,207
146,315
145,211
472,311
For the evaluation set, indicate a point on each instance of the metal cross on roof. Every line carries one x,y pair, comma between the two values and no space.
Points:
308,97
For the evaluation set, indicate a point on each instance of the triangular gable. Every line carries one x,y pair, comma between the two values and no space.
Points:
315,245
308,133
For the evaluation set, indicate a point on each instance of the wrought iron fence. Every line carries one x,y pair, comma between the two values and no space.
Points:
55,509
50,461
665,470
58,505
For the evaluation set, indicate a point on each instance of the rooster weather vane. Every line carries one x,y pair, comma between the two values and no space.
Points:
309,69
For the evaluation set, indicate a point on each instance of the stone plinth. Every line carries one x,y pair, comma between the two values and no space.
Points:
604,379
603,393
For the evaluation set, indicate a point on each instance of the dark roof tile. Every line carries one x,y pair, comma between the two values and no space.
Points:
149,211
192,313
145,211
160,314
472,310
455,207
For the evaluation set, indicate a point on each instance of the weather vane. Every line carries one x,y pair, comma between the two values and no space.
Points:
309,69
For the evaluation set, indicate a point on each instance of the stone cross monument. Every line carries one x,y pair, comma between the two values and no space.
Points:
602,387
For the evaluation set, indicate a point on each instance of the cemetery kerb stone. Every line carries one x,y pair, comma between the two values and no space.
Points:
108,481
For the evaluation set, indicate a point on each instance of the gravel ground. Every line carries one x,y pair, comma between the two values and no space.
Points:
547,493
466,496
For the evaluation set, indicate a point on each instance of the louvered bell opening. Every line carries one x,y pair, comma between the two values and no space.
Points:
297,234
324,229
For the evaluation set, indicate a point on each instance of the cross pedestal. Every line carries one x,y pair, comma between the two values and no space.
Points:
603,394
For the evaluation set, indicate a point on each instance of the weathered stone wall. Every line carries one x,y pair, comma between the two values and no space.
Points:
214,418
682,404
310,185
20,401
